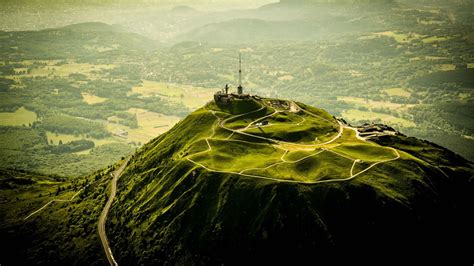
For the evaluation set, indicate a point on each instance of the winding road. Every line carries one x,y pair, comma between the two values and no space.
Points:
103,216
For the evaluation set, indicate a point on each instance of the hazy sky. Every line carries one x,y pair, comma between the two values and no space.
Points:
195,3
40,14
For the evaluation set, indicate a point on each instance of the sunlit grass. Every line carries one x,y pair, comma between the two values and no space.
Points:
435,39
92,99
70,68
18,118
150,125
357,101
445,67
65,138
191,96
358,115
365,152
400,37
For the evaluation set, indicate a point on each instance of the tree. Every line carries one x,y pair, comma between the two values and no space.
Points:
60,142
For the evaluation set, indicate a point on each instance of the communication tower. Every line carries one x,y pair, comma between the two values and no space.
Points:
240,90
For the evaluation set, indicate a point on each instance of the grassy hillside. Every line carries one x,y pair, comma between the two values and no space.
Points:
61,232
206,193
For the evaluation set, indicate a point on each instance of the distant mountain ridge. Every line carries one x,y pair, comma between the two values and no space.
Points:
93,27
73,40
337,1
294,20
251,30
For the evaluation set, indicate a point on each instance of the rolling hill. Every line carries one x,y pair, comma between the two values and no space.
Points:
254,179
92,40
276,179
293,20
250,30
336,1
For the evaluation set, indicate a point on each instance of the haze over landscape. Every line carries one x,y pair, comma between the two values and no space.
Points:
127,135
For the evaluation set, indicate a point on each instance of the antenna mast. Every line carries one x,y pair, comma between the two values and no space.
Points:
240,70
240,89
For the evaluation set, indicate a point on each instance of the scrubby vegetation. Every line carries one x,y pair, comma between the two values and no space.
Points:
61,233
74,126
28,148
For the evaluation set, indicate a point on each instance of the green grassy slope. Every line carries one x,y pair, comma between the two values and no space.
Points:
235,155
306,132
205,194
310,168
365,152
170,209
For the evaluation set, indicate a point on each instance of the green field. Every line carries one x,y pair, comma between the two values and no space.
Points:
367,103
445,67
54,138
18,118
191,96
150,125
72,67
435,39
92,99
400,37
358,115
